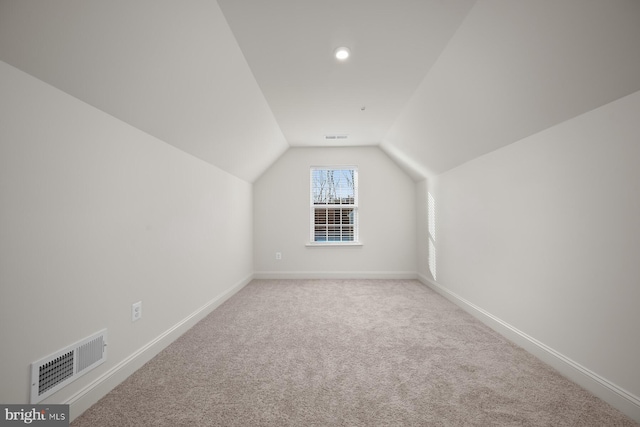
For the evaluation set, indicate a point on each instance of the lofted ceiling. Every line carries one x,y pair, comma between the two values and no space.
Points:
290,44
434,83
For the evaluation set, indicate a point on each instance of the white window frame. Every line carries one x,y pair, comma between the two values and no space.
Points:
431,234
353,206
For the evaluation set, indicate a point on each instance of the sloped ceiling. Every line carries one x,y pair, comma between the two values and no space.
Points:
290,44
236,82
515,68
170,68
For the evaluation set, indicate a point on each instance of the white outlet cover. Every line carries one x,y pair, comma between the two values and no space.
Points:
136,311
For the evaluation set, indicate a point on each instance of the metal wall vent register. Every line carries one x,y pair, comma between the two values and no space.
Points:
53,372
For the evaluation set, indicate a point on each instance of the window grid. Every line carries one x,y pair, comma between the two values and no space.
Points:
334,204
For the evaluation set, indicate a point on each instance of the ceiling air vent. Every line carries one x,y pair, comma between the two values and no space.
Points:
335,137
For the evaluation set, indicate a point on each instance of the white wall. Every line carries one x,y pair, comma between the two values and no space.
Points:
544,234
96,215
513,69
386,212
171,69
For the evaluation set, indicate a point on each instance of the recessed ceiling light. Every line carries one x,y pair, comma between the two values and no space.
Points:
342,53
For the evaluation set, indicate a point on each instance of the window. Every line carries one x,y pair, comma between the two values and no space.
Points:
334,204
431,215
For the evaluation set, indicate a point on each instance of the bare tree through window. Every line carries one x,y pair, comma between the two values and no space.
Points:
334,204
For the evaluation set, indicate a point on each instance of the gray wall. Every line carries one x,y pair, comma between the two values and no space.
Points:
97,215
544,235
387,218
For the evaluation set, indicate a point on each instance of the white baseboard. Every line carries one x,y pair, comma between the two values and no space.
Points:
406,275
616,396
86,397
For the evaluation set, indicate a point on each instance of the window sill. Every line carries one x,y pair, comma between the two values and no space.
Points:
332,244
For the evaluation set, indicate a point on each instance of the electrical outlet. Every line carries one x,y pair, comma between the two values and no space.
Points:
136,311
278,255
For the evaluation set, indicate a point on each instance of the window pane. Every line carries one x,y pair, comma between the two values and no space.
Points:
320,234
334,234
347,234
334,205
331,216
320,216
333,186
348,216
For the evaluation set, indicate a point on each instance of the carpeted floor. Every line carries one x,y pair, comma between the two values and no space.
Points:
345,353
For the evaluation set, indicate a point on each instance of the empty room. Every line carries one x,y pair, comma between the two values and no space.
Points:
318,213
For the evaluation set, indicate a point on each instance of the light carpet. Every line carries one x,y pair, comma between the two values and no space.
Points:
345,353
